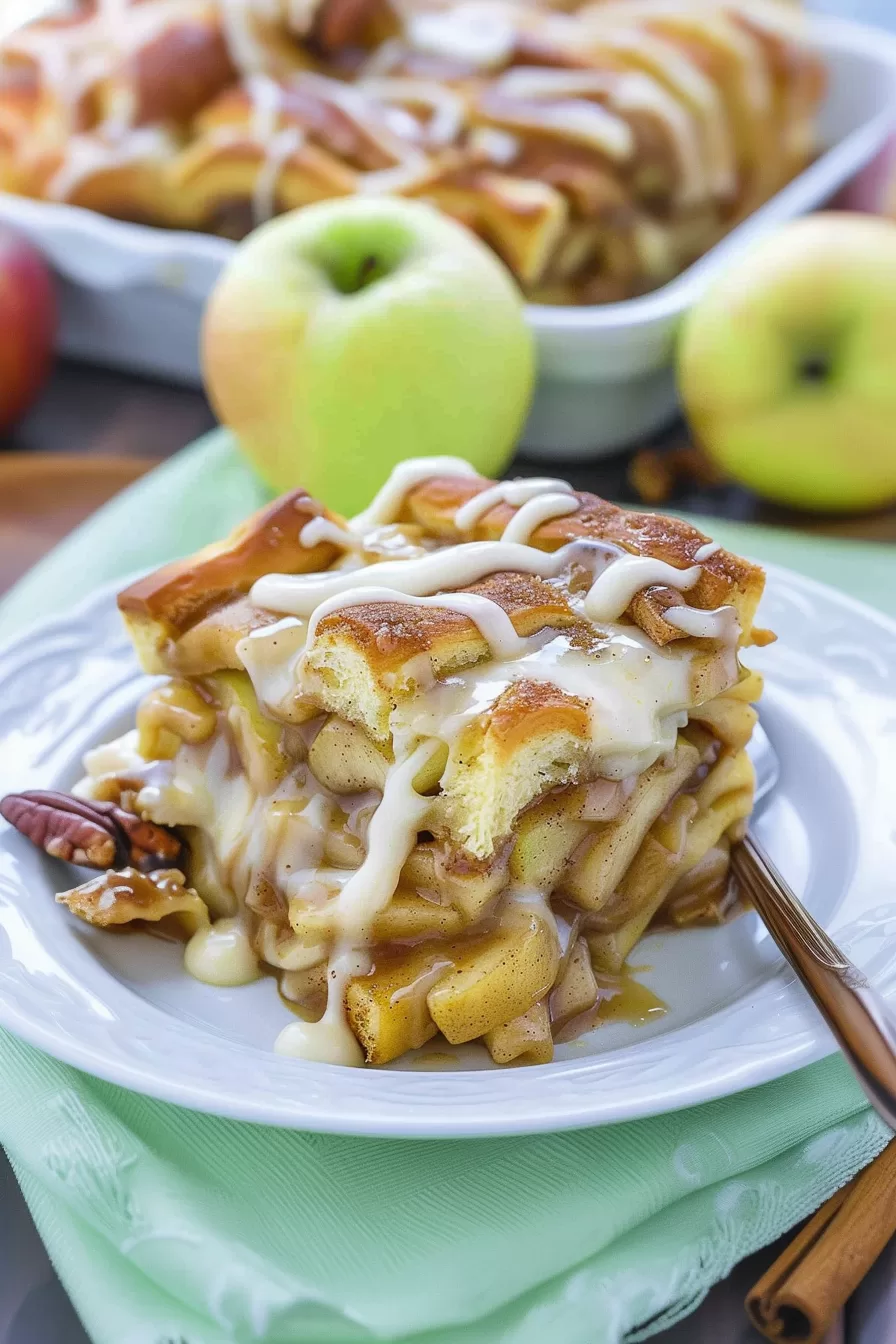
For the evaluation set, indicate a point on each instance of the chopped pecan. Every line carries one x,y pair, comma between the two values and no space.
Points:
127,897
657,474
149,845
92,834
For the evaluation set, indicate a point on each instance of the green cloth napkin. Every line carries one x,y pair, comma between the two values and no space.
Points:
173,1228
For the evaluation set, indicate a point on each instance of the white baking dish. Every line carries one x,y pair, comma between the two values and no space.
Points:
132,296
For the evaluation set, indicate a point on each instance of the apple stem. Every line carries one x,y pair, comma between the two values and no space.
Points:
367,269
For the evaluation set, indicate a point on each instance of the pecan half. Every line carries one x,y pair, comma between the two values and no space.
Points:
92,834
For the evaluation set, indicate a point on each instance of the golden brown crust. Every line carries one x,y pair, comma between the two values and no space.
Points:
535,708
169,612
648,610
725,578
165,604
389,633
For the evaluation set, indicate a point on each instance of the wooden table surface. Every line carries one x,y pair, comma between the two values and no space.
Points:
93,431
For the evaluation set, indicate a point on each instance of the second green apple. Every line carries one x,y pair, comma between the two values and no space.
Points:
787,366
347,336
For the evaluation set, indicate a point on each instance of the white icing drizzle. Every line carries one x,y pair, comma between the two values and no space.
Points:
684,78
331,1040
613,590
383,59
446,106
222,955
324,529
114,20
517,493
91,153
368,116
636,695
247,51
496,146
575,118
270,655
386,503
539,510
300,14
278,151
640,93
533,901
607,599
706,551
401,122
719,624
317,595
391,836
491,620
558,94
480,35
745,52
266,97
413,172
57,60
119,756
301,594
278,143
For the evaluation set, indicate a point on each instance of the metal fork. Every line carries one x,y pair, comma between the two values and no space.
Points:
862,1021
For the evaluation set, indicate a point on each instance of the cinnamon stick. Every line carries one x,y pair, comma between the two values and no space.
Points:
798,1297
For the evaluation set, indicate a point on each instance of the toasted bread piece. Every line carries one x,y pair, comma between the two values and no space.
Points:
210,645
365,659
535,738
160,608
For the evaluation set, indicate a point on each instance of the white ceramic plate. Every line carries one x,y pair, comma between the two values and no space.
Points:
124,1009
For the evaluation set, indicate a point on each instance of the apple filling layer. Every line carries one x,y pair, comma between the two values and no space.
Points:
437,767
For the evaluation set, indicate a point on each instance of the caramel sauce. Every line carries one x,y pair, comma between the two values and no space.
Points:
622,998
308,1000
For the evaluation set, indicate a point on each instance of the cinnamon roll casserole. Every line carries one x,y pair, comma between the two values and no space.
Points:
598,150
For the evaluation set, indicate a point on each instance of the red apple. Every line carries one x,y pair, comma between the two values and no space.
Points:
873,189
27,325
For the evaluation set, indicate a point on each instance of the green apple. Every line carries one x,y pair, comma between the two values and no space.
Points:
787,366
351,334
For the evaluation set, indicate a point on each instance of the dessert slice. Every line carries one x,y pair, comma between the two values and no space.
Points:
439,767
